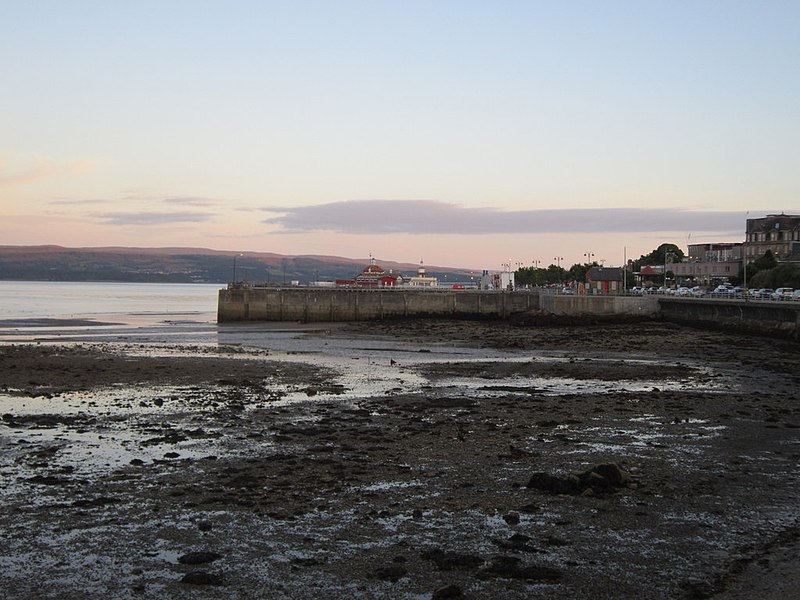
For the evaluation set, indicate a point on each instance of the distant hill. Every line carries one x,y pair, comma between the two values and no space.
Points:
186,265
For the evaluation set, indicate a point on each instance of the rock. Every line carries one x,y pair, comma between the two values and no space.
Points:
448,591
447,561
391,573
600,480
511,518
47,480
510,567
198,558
202,578
205,526
614,473
550,483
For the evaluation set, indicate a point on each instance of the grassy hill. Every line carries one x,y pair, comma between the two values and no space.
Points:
185,265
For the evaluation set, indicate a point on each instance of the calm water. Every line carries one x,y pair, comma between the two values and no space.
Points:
41,310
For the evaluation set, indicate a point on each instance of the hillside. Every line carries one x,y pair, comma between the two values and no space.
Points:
184,265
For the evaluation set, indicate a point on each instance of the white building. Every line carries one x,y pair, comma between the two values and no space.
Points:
421,280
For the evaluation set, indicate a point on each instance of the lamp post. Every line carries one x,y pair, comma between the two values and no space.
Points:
666,258
558,260
589,256
234,266
744,256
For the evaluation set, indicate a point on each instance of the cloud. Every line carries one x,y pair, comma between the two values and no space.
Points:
434,217
153,218
190,201
76,202
42,168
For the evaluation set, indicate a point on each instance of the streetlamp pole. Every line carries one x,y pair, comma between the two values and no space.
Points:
234,266
666,257
744,255
589,256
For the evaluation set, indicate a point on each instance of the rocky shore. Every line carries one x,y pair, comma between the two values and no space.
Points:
602,461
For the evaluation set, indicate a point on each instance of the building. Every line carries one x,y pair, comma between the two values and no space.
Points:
422,280
779,234
604,280
708,264
373,275
504,280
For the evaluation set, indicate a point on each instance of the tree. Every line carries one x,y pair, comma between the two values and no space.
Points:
539,276
765,262
782,275
665,253
577,272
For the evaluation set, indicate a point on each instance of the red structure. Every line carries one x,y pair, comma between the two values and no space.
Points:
373,276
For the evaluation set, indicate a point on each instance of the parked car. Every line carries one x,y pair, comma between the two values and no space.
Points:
683,291
763,293
723,290
796,295
783,293
697,291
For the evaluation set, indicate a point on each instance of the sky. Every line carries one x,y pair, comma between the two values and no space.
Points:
462,133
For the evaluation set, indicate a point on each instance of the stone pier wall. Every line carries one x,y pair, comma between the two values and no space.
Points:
781,319
349,304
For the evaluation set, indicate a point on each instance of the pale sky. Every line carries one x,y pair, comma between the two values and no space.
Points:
463,133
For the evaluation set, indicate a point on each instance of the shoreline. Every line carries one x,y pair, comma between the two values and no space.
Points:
298,476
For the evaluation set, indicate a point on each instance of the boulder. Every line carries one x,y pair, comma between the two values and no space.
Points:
600,480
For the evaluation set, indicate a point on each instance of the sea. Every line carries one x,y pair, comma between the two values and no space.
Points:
44,311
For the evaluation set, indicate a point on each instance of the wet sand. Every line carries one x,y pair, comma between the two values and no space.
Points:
404,460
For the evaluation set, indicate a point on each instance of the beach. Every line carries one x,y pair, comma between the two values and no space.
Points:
403,459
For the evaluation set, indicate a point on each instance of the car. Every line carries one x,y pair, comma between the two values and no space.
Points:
724,290
783,293
697,291
763,293
796,295
683,291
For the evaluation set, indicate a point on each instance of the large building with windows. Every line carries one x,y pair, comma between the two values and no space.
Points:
779,234
708,264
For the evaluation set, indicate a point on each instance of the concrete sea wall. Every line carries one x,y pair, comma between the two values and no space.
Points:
644,306
349,304
781,319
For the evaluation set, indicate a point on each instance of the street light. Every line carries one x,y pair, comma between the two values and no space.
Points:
666,256
744,255
558,260
234,266
589,256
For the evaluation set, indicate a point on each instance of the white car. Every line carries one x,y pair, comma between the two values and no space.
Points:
783,293
724,290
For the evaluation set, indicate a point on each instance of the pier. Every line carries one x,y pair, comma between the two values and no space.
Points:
308,305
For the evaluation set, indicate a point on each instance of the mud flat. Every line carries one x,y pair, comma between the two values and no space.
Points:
418,459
